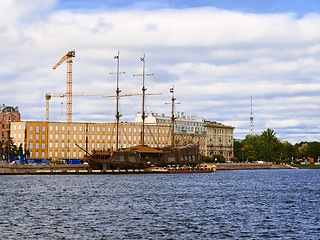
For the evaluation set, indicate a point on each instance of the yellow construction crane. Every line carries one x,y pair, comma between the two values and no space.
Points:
68,93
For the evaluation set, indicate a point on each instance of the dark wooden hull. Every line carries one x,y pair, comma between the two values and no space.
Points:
104,160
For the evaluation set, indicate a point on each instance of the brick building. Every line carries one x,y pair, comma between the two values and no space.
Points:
8,114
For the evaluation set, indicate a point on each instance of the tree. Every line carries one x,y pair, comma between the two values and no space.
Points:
268,146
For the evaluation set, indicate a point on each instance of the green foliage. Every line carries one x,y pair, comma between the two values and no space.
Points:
266,147
251,159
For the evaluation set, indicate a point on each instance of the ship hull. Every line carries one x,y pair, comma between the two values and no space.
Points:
139,159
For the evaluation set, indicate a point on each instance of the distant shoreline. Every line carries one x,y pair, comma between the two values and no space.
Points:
251,166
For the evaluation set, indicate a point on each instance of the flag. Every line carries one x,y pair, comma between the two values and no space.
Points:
142,59
116,57
171,90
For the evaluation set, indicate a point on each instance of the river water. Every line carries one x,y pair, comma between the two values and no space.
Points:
256,204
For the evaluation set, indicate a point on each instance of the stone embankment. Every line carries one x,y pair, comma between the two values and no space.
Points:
36,168
250,166
11,169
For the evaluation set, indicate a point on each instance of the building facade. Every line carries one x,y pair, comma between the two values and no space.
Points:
187,129
219,139
8,114
57,140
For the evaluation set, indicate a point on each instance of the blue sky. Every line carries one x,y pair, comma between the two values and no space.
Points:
215,53
299,7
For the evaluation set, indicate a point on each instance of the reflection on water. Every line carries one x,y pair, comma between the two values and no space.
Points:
273,204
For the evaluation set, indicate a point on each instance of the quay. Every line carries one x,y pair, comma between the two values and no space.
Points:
251,166
82,169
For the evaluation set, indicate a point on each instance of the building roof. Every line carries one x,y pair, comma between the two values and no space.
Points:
216,124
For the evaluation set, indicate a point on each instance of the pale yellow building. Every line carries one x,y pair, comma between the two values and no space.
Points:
49,140
219,139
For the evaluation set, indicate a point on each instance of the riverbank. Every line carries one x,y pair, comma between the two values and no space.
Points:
43,169
250,166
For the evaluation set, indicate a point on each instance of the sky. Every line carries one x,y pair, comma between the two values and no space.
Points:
215,54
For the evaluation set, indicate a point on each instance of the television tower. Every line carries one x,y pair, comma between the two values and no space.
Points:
251,116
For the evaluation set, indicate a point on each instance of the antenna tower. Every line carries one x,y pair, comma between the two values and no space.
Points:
251,116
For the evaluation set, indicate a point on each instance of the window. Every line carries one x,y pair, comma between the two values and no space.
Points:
19,127
37,145
103,129
50,128
50,136
50,154
56,154
56,144
109,129
37,136
62,128
98,145
14,127
31,136
92,129
50,144
30,154
129,137
92,145
98,129
92,137
37,154
43,146
98,137
62,154
134,130
43,129
57,136
43,137
129,130
74,154
30,145
57,128
31,128
62,145
62,136
80,128
74,136
37,129
109,137
80,136
74,128
80,154
42,154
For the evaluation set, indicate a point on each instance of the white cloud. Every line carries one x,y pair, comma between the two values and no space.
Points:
214,58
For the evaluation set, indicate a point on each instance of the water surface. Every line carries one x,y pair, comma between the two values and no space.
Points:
260,204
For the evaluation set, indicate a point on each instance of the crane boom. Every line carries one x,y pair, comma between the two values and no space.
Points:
68,93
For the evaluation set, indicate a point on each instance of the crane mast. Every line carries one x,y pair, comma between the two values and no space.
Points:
68,93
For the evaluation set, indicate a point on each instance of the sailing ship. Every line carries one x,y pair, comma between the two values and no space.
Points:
143,156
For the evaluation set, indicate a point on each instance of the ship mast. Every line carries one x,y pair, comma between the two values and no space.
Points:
172,115
117,96
143,114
